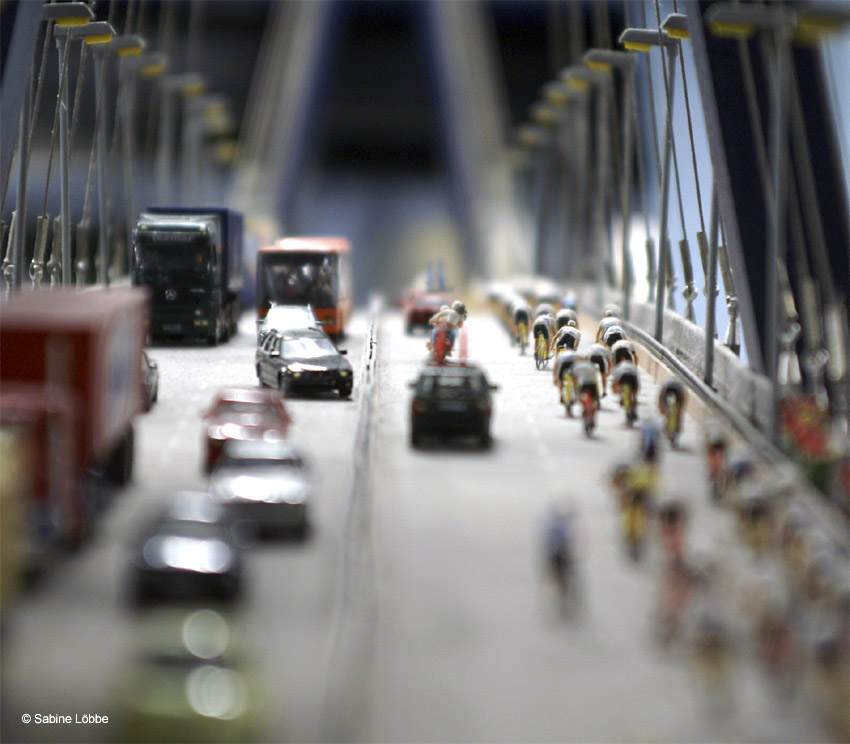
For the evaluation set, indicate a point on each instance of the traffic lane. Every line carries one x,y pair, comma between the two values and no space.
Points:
468,648
77,618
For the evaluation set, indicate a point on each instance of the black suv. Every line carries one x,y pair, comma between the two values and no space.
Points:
451,399
303,360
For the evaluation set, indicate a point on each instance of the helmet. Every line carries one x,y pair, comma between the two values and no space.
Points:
611,311
459,308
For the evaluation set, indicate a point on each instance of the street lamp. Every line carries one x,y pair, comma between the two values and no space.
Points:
129,49
581,79
642,40
605,60
97,35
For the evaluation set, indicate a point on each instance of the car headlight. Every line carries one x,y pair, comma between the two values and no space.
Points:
296,367
343,373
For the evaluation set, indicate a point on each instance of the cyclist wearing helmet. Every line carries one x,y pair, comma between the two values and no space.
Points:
605,324
600,355
625,377
450,318
584,376
567,337
612,335
521,315
544,325
624,351
565,316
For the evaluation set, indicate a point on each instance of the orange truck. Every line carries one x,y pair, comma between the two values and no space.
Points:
70,388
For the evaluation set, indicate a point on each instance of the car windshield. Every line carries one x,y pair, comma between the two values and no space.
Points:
241,406
307,348
451,386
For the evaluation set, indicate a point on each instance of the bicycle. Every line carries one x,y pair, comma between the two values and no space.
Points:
588,411
629,401
541,352
673,420
634,524
522,337
568,394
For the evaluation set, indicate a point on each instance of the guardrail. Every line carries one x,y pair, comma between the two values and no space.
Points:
353,639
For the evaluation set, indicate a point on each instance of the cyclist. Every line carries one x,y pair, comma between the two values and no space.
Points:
672,521
563,378
566,315
612,335
671,400
624,351
626,383
715,453
521,313
650,443
607,322
567,337
586,386
543,328
756,521
559,546
600,355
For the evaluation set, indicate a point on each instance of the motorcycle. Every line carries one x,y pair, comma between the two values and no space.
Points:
441,346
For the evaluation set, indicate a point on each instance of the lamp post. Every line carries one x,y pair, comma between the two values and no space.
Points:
167,118
67,16
129,48
605,60
581,78
191,88
546,116
642,40
535,138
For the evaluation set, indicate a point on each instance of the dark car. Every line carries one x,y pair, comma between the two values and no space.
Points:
421,307
187,552
150,381
263,485
449,400
243,413
303,360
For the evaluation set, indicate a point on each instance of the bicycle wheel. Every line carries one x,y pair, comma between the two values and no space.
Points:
539,352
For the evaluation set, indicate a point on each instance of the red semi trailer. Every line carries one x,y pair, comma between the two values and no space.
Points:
70,387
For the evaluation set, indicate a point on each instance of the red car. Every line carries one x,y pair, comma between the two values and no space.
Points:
243,413
420,308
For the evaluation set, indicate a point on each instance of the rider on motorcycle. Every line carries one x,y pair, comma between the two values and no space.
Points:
450,318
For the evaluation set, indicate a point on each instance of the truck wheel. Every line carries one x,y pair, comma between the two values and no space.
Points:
119,466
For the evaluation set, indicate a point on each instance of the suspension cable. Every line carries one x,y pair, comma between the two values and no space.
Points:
690,129
669,95
55,133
